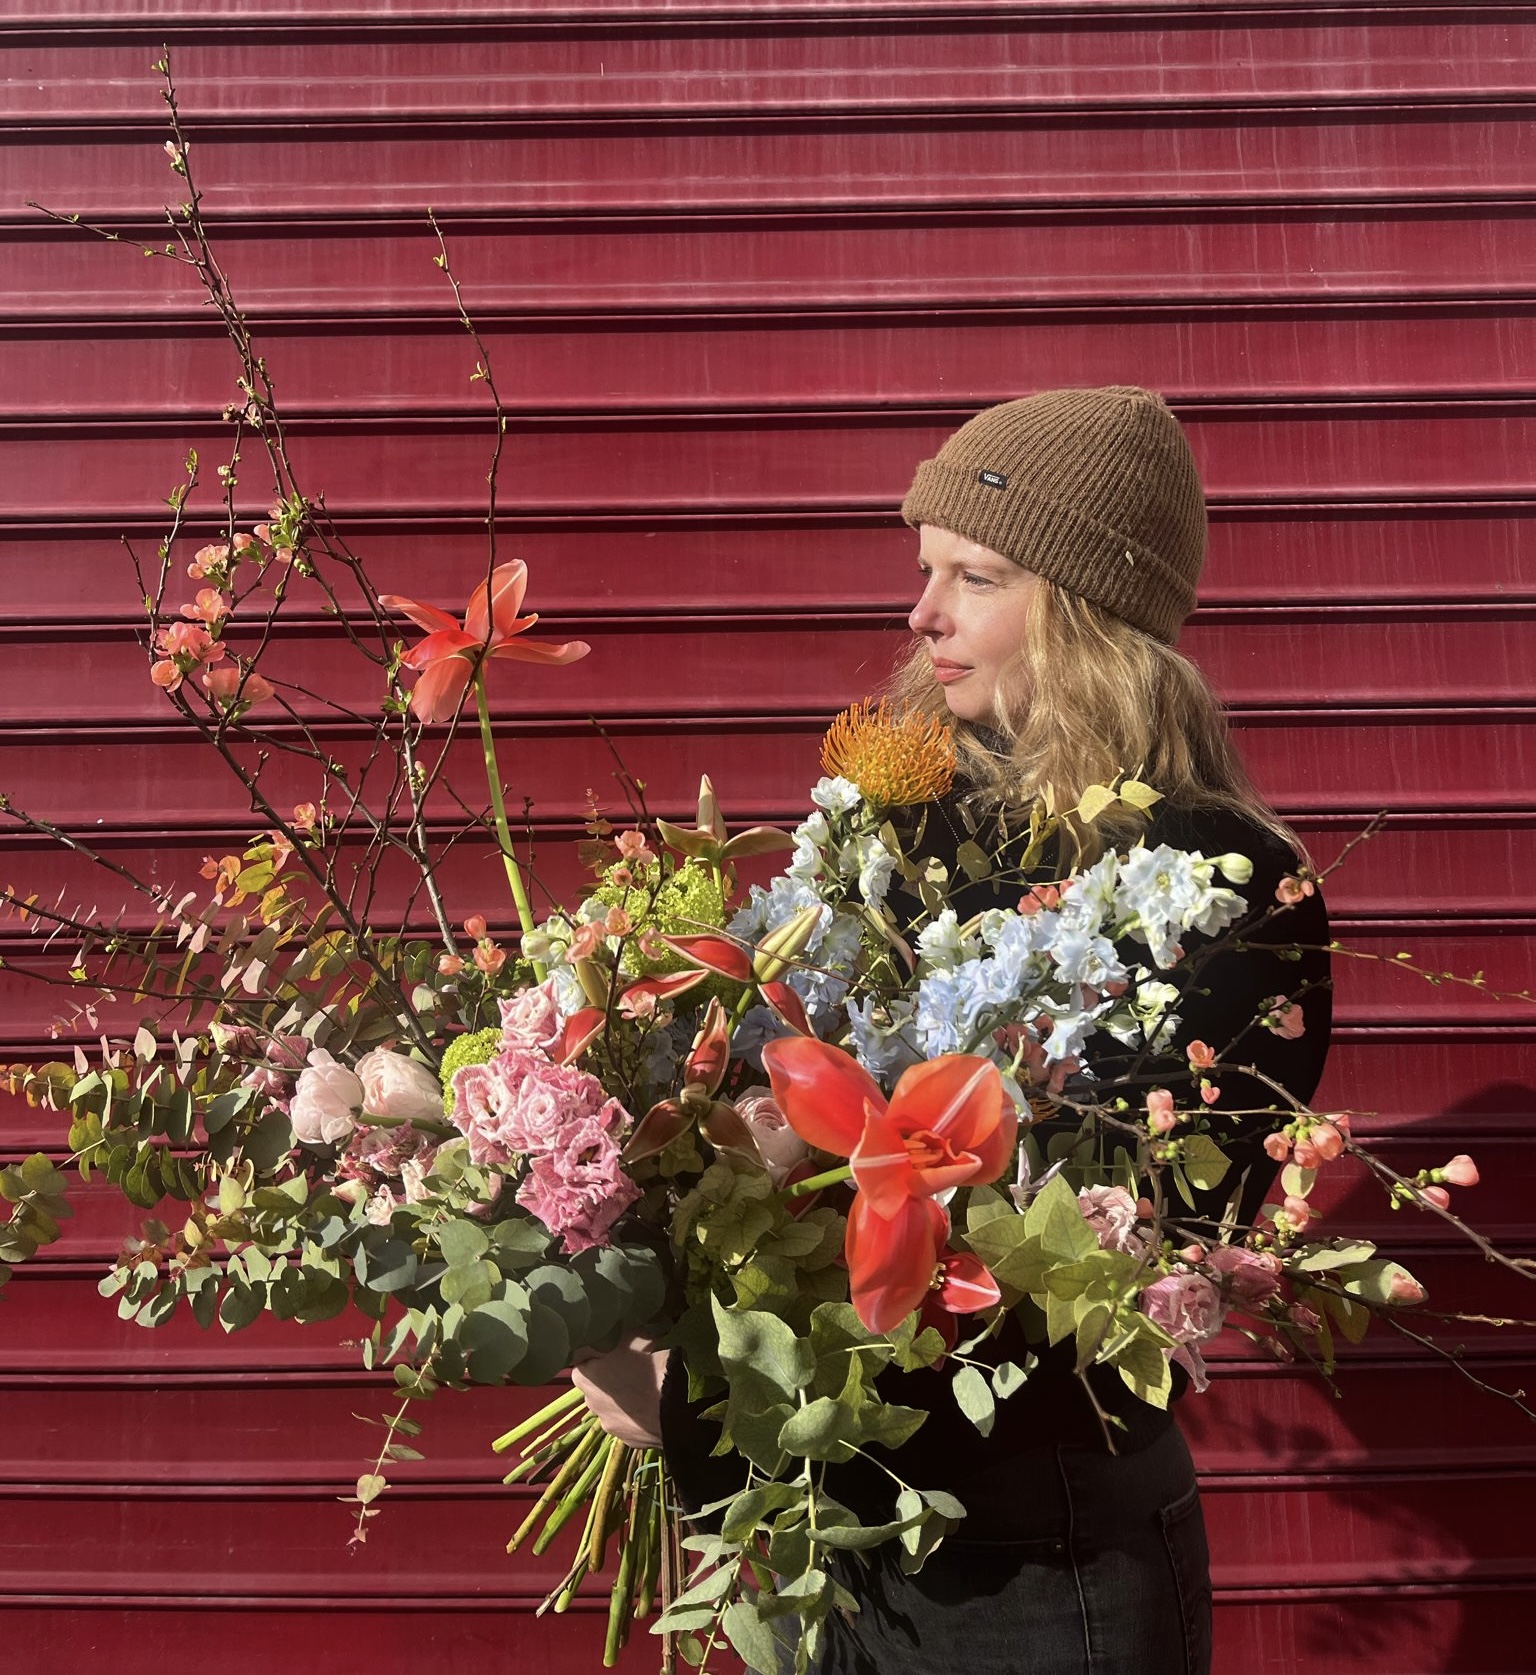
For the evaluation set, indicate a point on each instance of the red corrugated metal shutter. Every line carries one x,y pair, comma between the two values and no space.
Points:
741,266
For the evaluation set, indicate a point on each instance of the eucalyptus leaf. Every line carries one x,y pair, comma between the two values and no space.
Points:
975,1398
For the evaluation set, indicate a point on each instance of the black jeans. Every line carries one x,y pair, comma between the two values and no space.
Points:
1105,1572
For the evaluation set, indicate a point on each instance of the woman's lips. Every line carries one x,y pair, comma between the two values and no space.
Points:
944,672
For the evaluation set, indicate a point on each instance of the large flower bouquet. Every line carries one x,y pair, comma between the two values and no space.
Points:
813,1130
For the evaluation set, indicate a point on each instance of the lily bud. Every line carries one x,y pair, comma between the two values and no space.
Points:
787,943
593,980
711,1051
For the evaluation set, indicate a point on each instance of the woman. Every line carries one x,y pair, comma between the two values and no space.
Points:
1061,540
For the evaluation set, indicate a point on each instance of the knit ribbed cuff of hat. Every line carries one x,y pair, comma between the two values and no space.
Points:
1057,541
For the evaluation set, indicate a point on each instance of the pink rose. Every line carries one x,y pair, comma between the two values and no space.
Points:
326,1101
1111,1212
531,1019
1251,1276
780,1148
398,1087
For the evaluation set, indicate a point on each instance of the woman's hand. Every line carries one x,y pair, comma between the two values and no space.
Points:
623,1390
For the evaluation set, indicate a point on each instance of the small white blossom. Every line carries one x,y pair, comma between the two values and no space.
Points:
873,862
837,796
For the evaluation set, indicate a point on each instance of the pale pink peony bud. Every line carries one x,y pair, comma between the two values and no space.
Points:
398,1087
1194,1255
1460,1171
326,1101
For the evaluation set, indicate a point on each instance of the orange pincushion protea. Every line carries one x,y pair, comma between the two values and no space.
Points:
894,757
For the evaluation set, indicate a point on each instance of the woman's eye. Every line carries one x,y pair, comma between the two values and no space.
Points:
973,580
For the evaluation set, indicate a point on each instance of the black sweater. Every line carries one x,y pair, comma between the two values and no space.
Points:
1222,997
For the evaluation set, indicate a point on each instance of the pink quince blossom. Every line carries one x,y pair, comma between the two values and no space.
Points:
229,683
1161,1116
1460,1171
1284,1017
1111,1212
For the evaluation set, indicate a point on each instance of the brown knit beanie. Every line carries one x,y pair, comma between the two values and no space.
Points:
1094,489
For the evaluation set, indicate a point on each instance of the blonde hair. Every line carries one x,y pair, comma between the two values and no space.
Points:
1089,698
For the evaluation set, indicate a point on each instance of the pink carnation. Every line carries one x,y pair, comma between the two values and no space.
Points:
1111,1212
531,1019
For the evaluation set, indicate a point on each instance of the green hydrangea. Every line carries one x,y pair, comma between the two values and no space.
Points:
686,904
478,1048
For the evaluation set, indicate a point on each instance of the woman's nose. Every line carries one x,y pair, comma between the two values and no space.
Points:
925,616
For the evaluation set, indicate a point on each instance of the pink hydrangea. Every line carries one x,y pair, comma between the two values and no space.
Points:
562,1122
1111,1212
531,1018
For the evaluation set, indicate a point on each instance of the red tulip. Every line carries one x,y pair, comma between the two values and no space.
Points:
947,1124
450,654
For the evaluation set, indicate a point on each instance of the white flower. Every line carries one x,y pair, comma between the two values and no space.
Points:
327,1100
940,943
811,838
873,863
837,796
1091,960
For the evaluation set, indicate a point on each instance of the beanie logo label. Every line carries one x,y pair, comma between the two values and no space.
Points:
993,479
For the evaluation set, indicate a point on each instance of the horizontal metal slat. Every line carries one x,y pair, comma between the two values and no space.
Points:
1270,558
856,258
814,460
702,668
1325,763
1186,59
368,366
757,163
